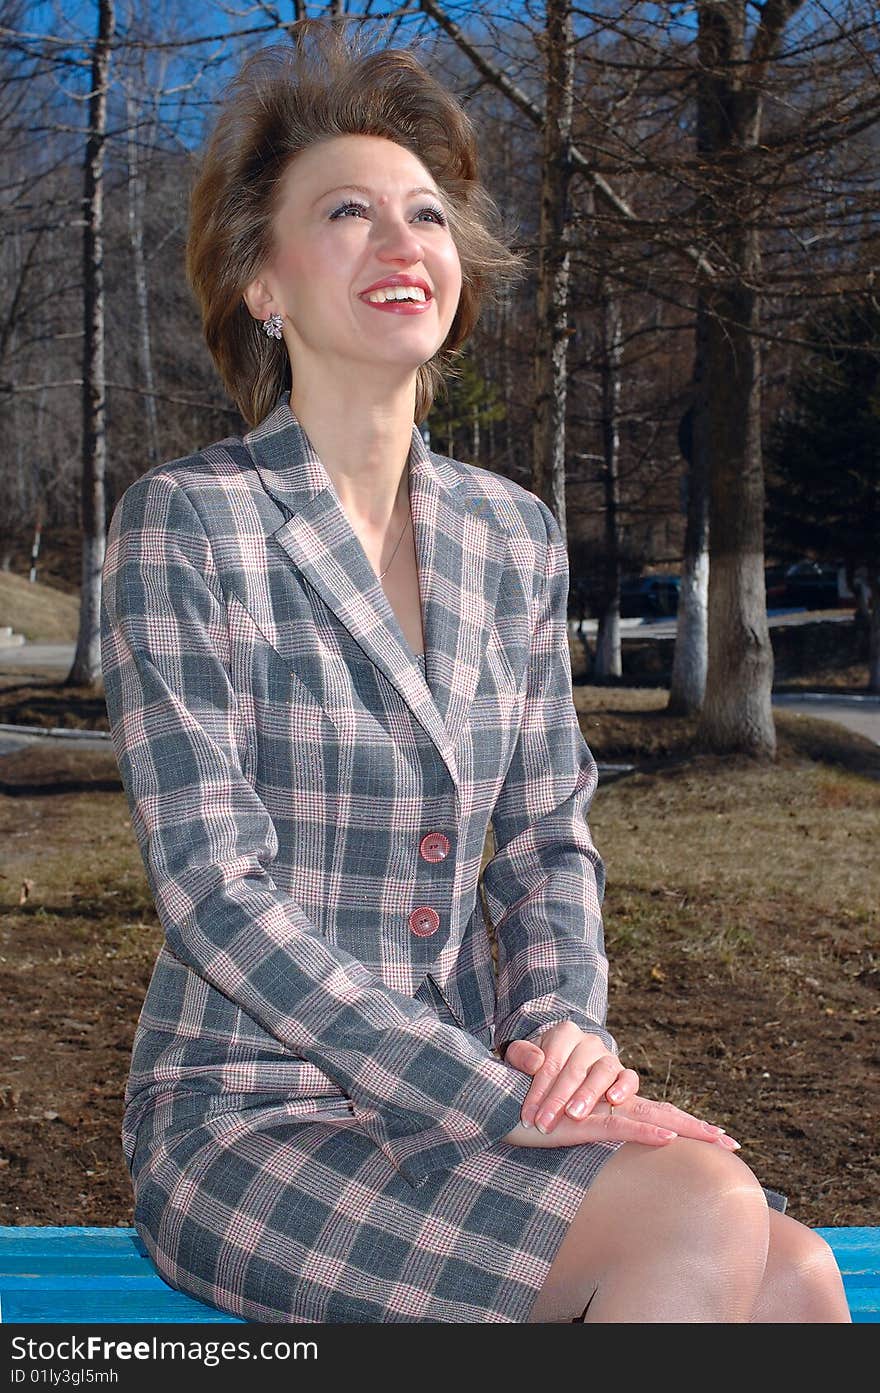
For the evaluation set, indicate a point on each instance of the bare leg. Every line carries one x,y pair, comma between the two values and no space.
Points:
802,1282
677,1233
683,1233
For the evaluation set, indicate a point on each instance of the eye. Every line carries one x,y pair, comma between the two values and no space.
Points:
339,213
345,207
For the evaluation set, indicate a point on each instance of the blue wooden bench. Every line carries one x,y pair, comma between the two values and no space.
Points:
99,1276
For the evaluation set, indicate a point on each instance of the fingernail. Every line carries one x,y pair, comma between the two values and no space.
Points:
575,1109
524,1122
666,1134
729,1143
616,1094
543,1121
709,1127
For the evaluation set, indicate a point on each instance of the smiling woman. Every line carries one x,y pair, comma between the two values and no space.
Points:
278,116
321,274
339,1108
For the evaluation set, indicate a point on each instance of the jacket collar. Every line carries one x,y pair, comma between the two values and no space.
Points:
461,551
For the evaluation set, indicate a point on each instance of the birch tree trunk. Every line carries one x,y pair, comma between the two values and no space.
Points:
607,662
548,439
86,667
689,660
737,713
136,200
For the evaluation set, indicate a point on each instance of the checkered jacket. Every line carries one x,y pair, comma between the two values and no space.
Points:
312,809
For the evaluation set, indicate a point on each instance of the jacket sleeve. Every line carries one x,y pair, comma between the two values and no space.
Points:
545,882
428,1093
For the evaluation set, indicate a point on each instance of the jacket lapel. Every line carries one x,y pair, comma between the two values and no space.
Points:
461,550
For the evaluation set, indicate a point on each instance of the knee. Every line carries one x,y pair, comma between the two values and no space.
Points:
724,1226
711,1178
717,1200
814,1259
814,1284
690,1225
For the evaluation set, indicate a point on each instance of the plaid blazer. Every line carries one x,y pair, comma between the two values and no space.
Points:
312,808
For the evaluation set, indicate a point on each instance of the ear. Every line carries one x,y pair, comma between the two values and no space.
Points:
259,299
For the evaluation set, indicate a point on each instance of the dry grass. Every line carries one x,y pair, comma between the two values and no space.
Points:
724,862
40,612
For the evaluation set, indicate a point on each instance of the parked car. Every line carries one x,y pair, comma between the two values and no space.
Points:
649,597
812,585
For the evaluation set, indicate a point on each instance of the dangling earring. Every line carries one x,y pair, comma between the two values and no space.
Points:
272,326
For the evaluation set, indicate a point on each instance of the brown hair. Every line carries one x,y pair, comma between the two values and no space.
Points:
283,100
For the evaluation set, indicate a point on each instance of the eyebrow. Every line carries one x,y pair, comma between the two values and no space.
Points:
360,188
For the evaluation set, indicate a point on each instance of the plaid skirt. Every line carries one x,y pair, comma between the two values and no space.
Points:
276,1218
287,1212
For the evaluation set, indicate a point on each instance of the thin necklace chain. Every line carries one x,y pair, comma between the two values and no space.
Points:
394,553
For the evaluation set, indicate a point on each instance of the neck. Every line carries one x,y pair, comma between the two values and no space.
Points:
365,449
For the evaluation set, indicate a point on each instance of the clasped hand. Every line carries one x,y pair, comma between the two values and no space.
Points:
576,1081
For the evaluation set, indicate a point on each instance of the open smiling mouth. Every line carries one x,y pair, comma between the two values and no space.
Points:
399,306
413,302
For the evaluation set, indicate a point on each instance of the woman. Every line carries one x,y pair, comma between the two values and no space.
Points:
332,658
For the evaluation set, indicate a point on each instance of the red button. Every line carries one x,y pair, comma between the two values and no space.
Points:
435,846
424,921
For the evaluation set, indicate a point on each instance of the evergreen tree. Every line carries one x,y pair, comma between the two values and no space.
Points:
823,494
823,491
467,406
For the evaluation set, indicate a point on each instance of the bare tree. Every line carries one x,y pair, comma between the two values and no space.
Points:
691,234
737,712
594,131
551,342
607,661
689,661
142,134
87,657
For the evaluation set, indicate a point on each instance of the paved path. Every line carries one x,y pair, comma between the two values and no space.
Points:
15,739
35,657
667,628
858,713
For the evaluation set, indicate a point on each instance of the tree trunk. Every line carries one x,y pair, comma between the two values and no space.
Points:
548,456
737,712
689,660
86,667
136,199
607,662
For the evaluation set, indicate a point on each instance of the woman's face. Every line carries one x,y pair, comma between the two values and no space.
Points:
334,241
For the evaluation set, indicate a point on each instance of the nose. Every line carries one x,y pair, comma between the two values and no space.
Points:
398,239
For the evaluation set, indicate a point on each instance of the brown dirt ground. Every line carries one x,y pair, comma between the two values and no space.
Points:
742,929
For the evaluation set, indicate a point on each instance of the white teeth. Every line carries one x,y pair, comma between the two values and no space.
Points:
397,292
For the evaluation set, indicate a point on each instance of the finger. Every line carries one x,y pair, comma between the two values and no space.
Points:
529,1058
612,1125
684,1123
619,1128
626,1085
524,1055
563,1071
689,1126
600,1076
572,1081
543,1092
